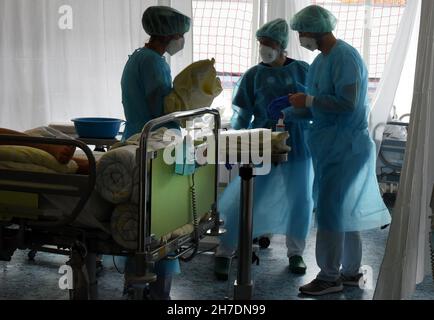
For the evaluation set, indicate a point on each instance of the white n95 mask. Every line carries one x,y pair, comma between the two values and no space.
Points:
268,54
309,43
175,46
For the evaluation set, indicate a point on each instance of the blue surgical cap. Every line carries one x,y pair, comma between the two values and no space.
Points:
314,19
277,30
165,21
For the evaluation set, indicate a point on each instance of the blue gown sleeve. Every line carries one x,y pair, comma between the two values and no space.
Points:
346,81
243,102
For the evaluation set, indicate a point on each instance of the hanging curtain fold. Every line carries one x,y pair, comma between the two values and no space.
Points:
406,261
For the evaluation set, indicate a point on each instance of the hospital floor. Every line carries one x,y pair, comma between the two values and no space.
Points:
21,279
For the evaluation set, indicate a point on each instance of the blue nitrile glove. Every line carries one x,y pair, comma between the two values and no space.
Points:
276,106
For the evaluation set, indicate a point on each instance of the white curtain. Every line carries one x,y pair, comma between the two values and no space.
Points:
284,9
387,89
58,62
406,261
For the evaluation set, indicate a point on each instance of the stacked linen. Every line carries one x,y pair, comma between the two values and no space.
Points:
118,183
118,170
124,226
115,172
244,143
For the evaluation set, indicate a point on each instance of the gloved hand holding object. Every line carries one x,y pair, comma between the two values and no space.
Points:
276,106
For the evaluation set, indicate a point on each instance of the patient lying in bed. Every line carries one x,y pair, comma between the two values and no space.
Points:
55,159
102,211
45,158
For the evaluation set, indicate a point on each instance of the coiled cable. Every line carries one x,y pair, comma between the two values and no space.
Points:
195,222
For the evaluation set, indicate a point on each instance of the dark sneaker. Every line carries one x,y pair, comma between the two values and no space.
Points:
297,265
319,287
352,281
221,268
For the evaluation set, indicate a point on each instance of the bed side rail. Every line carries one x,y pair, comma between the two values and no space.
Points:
76,185
144,225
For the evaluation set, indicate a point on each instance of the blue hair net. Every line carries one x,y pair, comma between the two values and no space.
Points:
165,21
277,30
314,19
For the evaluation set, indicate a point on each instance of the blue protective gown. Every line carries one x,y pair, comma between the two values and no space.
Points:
283,199
146,81
346,189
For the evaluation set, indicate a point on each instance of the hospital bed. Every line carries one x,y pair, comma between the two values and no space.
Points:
391,159
25,225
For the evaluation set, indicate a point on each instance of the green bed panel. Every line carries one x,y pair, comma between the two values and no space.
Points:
171,206
25,205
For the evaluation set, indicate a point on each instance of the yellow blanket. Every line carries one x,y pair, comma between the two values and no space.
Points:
34,160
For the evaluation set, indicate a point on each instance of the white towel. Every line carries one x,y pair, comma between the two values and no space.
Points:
114,180
124,224
118,171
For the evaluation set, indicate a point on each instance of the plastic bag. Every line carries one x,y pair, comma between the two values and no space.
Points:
195,87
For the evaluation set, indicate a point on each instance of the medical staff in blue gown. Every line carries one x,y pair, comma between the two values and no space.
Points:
282,200
347,195
146,81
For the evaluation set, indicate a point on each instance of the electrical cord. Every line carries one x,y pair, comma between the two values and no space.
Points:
195,222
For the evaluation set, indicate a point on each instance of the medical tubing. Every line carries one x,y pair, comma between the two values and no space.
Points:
195,222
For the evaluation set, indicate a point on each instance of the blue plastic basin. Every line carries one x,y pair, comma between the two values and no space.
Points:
97,128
